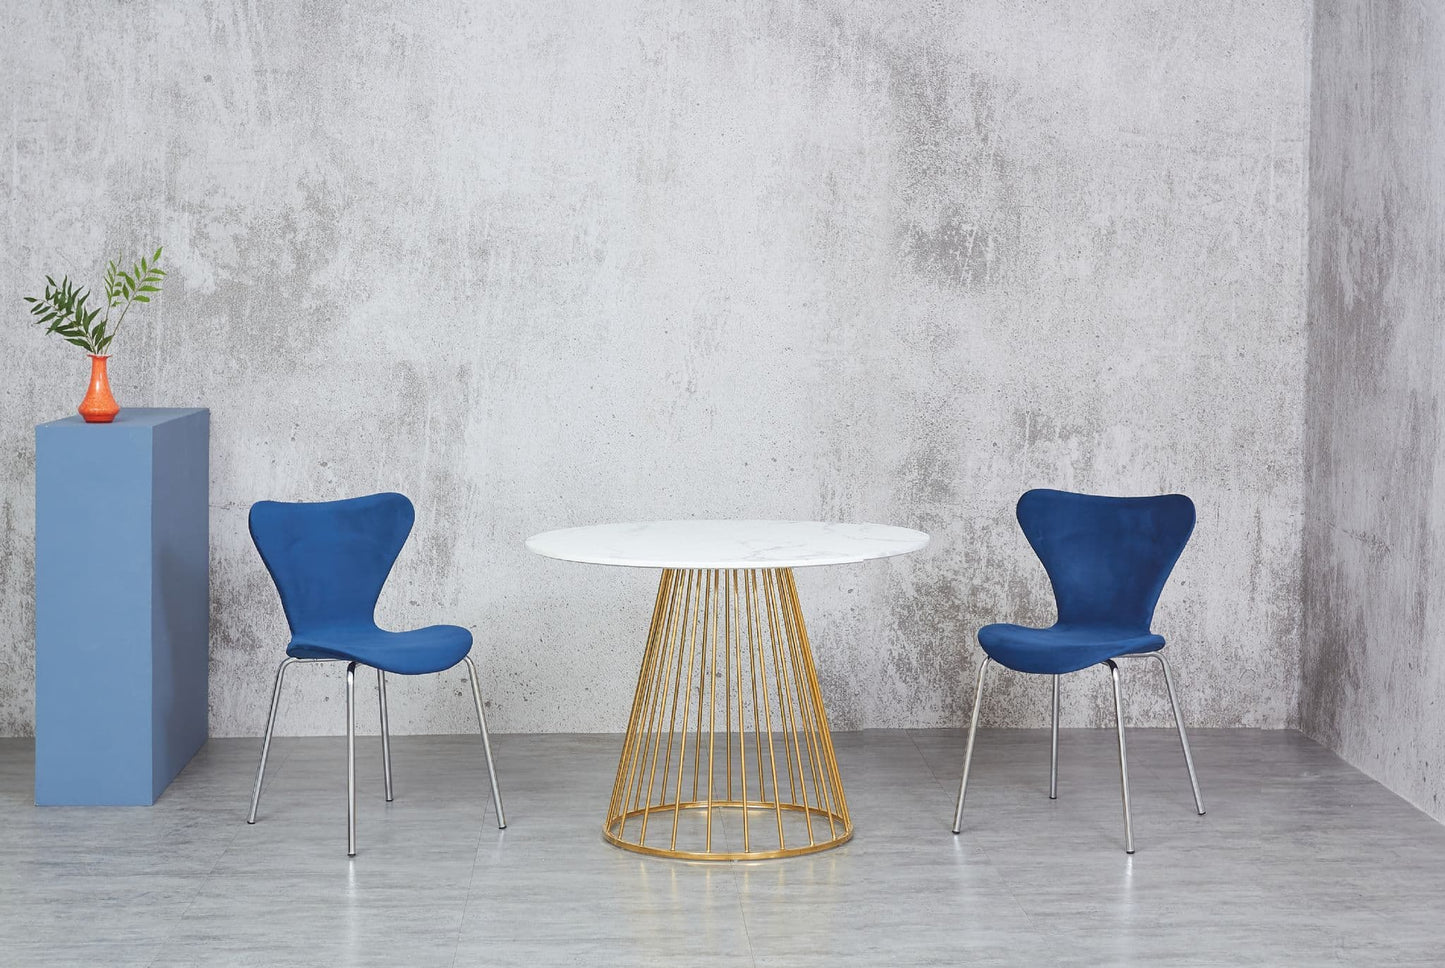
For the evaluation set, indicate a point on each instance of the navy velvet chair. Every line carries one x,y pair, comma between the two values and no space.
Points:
329,561
1107,559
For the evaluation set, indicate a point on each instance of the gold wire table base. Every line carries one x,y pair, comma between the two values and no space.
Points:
727,754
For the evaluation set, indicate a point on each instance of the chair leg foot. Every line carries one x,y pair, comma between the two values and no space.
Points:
968,751
1183,739
266,743
1123,755
385,732
1054,747
351,759
486,743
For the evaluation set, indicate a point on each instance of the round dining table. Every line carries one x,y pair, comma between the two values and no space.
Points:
727,754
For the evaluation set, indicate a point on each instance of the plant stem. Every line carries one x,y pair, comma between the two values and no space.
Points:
124,309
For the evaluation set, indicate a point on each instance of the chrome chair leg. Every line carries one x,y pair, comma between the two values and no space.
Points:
1054,748
486,743
351,759
1179,725
266,744
385,732
968,751
1123,755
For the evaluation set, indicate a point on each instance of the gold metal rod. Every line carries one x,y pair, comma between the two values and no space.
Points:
755,631
786,705
788,727
742,727
712,713
728,678
799,694
810,674
702,678
786,699
821,782
628,767
693,619
657,741
810,702
768,720
662,665
822,711
788,724
682,630
639,700
805,703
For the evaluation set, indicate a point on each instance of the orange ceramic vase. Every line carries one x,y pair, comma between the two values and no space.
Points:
98,406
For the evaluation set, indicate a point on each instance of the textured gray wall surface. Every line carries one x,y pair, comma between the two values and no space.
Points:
1373,668
545,264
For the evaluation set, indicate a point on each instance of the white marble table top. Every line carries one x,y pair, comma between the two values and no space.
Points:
726,544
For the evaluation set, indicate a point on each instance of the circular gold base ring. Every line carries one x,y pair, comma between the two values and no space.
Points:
762,816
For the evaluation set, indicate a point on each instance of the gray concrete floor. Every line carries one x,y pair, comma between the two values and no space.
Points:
1301,860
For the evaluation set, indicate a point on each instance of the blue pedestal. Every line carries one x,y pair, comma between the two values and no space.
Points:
122,604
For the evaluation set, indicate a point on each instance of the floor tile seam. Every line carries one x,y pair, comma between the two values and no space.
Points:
742,912
736,868
467,901
215,864
200,890
1008,890
1137,765
942,784
276,758
489,811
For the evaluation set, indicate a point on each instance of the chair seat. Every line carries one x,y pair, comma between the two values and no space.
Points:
1060,649
418,652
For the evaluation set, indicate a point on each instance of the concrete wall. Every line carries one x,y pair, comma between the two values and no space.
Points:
542,264
1373,666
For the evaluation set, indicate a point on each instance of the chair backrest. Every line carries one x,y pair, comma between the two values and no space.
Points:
330,559
1107,557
